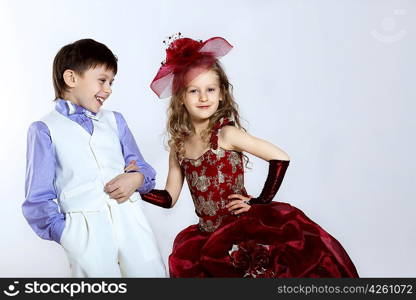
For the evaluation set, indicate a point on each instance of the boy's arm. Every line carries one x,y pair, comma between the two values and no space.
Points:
39,208
131,152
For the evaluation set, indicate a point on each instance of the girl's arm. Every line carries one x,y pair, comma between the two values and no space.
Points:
174,182
236,139
167,198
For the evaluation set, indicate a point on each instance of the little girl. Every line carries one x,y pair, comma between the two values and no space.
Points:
237,235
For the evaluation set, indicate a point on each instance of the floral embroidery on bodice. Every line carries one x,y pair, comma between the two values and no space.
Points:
211,178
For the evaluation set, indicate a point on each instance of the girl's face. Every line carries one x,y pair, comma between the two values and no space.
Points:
202,95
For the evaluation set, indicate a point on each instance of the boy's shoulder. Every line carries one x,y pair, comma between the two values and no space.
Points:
109,113
38,126
41,123
47,116
116,113
119,117
116,116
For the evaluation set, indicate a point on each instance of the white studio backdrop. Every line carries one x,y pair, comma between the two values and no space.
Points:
330,82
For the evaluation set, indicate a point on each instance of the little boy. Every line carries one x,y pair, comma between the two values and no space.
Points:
76,154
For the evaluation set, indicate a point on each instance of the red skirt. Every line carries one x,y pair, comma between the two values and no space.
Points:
271,241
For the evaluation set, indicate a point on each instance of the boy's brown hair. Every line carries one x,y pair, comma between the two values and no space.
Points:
80,56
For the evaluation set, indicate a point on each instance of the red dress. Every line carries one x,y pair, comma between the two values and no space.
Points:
270,240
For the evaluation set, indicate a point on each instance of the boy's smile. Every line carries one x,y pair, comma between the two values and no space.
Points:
91,89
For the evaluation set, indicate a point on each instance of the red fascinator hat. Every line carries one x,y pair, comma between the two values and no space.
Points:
182,55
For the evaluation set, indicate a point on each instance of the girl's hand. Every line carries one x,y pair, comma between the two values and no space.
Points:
239,205
131,167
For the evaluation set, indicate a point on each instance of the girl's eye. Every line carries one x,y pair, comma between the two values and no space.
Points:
192,91
102,80
211,90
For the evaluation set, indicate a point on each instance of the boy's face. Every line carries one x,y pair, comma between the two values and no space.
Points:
92,88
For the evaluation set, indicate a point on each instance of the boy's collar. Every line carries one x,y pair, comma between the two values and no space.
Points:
68,108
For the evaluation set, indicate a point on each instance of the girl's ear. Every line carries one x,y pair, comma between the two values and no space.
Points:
70,78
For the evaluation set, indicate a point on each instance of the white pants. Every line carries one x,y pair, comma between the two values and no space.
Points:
116,241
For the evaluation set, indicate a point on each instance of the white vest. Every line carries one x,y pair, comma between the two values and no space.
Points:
84,162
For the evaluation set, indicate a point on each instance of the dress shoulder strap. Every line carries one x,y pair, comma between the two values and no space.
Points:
214,132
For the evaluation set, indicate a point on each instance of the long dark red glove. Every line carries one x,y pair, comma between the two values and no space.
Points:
160,198
277,170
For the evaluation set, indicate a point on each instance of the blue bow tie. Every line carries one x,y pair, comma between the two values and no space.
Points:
90,115
73,108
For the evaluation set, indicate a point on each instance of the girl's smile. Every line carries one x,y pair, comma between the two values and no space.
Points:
203,106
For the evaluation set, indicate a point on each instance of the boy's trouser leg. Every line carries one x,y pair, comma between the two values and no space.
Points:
139,255
88,240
